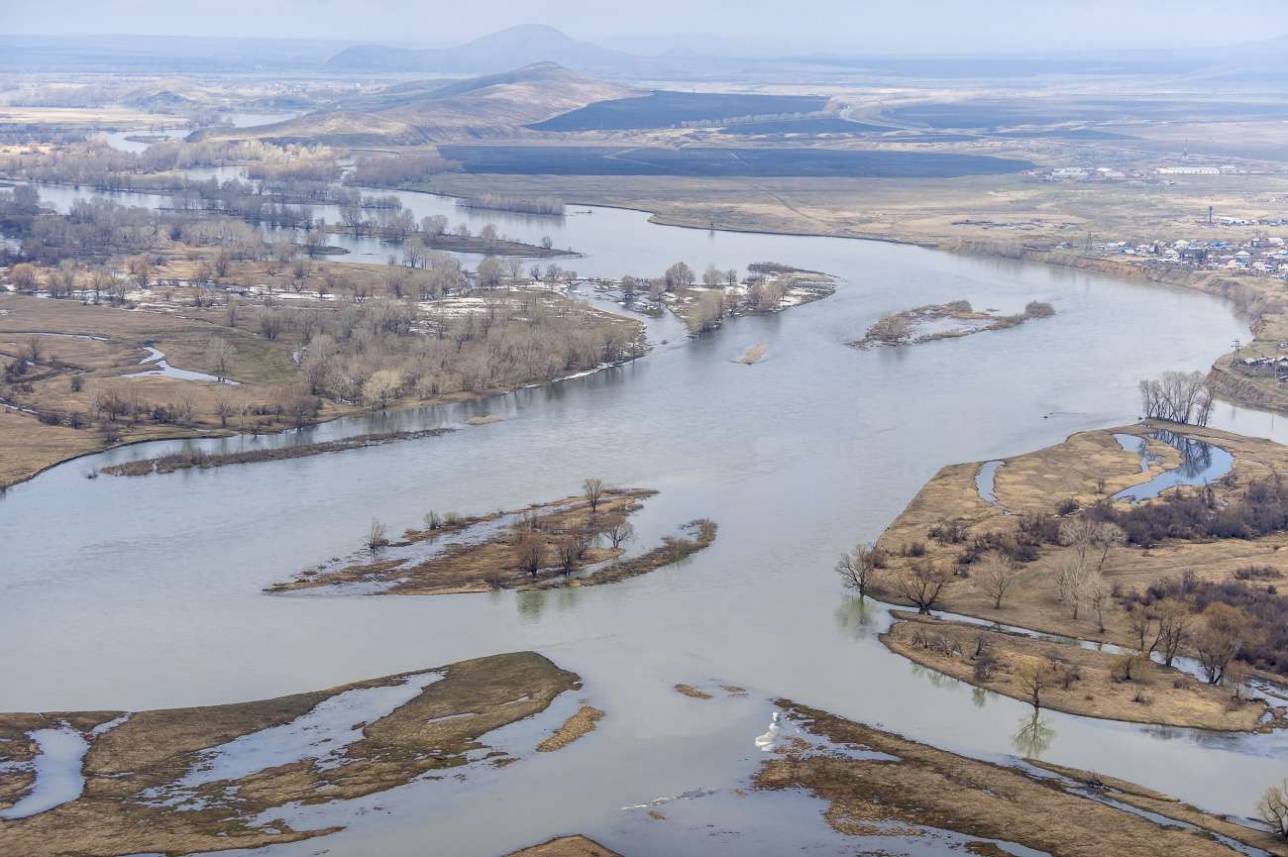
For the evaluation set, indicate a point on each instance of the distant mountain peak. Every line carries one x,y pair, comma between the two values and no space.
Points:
522,45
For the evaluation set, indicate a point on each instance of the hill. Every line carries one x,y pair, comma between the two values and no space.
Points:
522,45
491,106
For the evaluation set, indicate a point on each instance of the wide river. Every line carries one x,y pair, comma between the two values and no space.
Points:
144,593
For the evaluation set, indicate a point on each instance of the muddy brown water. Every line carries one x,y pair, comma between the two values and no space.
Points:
144,593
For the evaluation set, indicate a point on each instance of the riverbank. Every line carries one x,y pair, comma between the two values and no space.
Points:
573,541
1070,678
81,378
207,779
876,782
1005,217
1125,536
204,461
473,244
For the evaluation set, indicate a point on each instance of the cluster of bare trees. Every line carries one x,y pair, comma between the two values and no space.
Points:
1178,397
95,164
19,202
1079,570
545,205
400,169
370,353
720,297
539,545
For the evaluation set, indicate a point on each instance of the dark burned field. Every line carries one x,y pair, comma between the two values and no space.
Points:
665,109
720,162
805,125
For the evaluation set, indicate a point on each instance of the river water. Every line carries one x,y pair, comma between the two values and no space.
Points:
146,592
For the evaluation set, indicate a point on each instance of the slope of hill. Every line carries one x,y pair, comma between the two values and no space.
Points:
521,45
411,114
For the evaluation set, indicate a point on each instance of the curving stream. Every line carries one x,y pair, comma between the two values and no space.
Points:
144,593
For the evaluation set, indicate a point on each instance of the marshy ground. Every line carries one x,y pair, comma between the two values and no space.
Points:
878,783
212,778
566,542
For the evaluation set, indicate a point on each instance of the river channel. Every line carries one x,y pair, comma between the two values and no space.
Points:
140,593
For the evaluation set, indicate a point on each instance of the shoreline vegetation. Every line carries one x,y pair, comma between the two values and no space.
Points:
548,206
190,780
205,460
1160,538
1070,678
950,320
704,303
71,382
878,783
571,542
448,242
812,209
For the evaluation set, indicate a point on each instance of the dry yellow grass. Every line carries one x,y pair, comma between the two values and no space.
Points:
490,564
1036,482
691,691
102,117
566,846
580,723
433,731
1155,694
928,786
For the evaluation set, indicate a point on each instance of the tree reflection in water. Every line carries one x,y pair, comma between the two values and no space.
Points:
856,616
1033,738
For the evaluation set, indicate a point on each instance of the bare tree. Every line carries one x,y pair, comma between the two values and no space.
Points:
1098,593
224,407
1273,809
1144,629
529,552
922,585
1035,676
377,536
219,357
1220,639
856,568
23,277
995,575
620,533
1091,538
677,276
570,549
594,491
1178,397
1174,619
1072,575
489,273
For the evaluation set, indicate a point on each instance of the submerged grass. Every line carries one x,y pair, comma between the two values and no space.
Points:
925,786
206,460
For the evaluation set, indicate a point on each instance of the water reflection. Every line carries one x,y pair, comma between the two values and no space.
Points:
934,677
796,459
1033,737
856,617
1201,463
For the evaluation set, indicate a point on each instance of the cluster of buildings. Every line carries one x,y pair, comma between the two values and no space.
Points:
1155,175
1261,255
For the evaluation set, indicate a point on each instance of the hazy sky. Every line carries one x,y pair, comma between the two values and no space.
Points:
926,26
